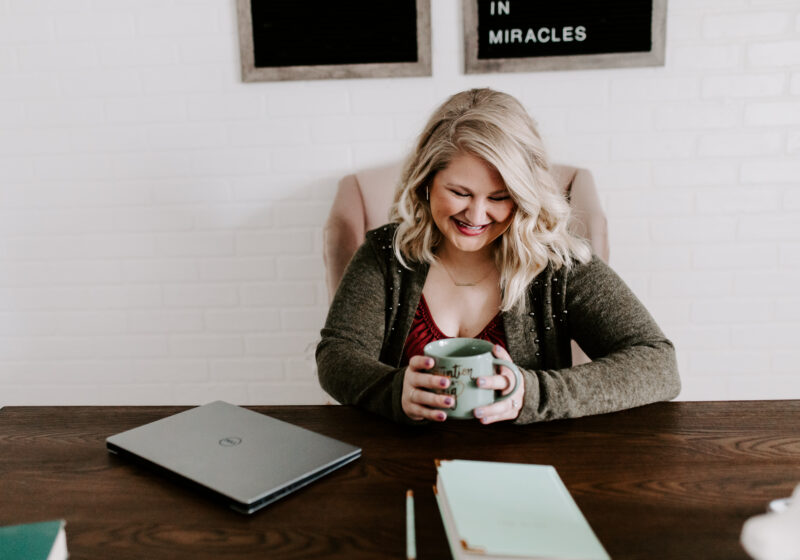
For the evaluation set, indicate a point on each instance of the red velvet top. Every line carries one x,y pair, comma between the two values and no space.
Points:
424,330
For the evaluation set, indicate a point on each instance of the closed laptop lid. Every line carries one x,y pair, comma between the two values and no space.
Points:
249,458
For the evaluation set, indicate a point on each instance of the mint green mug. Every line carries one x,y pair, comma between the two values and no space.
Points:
464,360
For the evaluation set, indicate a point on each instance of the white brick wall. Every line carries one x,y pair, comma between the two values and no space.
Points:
160,220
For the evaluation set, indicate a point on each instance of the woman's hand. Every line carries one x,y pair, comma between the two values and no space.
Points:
507,409
418,403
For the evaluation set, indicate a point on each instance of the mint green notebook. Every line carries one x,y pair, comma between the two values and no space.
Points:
524,512
34,541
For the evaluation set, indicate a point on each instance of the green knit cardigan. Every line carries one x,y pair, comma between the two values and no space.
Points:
633,363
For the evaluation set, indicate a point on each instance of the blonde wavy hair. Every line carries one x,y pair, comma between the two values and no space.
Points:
496,128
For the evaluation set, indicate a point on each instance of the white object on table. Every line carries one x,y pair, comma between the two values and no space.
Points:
774,535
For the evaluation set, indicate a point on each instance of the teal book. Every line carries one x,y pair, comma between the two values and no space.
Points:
524,512
34,541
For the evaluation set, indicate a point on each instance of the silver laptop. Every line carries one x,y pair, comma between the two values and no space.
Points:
248,459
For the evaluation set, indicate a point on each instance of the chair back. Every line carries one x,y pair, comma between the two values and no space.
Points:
363,200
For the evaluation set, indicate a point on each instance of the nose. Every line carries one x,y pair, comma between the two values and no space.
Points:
476,212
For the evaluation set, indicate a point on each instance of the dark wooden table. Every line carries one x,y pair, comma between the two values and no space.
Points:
670,480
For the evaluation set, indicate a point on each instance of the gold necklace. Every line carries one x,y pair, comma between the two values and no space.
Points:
466,284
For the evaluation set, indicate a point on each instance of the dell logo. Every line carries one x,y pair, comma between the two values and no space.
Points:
230,441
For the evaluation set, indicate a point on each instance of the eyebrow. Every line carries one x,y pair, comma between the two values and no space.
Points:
457,185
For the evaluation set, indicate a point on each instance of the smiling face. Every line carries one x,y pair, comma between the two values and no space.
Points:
470,204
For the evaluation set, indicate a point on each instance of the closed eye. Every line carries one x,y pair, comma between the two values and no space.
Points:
499,198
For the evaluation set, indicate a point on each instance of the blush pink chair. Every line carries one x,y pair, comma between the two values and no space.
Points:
363,200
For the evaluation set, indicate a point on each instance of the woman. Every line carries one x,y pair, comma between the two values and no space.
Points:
478,247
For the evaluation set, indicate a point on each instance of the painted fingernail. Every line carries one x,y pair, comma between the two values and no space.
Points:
429,362
481,382
441,416
444,382
448,401
478,413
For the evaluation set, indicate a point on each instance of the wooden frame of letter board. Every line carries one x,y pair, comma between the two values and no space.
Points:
250,73
473,65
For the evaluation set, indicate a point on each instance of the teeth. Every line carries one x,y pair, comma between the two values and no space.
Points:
462,224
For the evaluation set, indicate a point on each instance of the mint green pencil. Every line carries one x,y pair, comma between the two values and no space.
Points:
411,535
